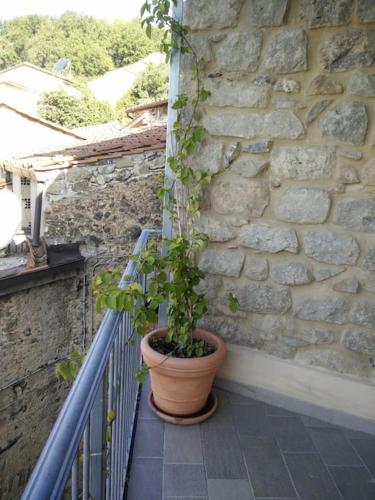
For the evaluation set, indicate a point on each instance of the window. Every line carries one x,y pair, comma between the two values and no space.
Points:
27,203
25,181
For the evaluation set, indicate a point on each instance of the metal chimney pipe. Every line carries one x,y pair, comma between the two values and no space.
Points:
37,215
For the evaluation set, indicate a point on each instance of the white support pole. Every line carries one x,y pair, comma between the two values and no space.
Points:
174,87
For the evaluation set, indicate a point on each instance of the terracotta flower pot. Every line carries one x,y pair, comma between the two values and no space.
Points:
181,386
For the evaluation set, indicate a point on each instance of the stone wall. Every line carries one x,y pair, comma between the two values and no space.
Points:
39,324
291,211
105,205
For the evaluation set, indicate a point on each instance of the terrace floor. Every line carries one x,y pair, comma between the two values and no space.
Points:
248,450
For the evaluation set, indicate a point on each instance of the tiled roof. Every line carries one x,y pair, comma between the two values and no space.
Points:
135,141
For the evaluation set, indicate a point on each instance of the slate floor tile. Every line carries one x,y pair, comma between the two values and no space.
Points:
334,446
351,434
144,410
223,414
311,477
182,444
354,483
185,480
222,452
366,450
149,439
146,478
238,399
269,476
229,489
250,420
291,434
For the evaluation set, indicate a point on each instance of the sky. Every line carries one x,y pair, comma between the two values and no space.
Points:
107,9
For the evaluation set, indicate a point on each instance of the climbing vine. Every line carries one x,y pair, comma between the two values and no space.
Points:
176,275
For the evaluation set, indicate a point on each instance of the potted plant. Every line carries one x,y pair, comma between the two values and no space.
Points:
182,358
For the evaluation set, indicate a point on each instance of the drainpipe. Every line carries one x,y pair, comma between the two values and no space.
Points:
37,257
37,215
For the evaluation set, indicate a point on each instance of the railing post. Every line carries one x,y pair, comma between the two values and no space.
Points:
97,446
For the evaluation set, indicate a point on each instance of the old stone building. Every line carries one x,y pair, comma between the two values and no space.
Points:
97,196
290,212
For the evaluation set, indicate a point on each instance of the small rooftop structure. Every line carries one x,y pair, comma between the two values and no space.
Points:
148,113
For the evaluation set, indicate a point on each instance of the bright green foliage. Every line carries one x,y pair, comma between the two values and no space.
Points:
93,46
72,112
129,43
175,275
68,370
152,84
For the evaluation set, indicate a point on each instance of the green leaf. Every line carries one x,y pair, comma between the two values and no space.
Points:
233,303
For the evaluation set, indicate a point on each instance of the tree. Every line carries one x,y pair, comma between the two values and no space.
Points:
72,112
93,46
129,43
152,84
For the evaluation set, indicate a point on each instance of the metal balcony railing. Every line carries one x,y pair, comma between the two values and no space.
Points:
86,455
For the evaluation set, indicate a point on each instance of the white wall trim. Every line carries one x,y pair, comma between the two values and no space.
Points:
340,399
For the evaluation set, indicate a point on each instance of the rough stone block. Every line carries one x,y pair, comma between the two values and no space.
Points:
368,282
287,51
324,273
303,205
283,125
368,173
287,85
256,298
362,84
356,213
346,122
239,51
369,261
302,162
331,309
314,335
210,286
366,11
238,93
223,262
359,341
231,330
330,247
209,157
257,147
267,238
348,285
320,13
212,13
247,166
232,152
348,175
256,268
333,359
351,48
272,325
316,109
236,196
291,273
215,228
287,102
229,123
363,314
351,154
324,84
268,12
293,341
